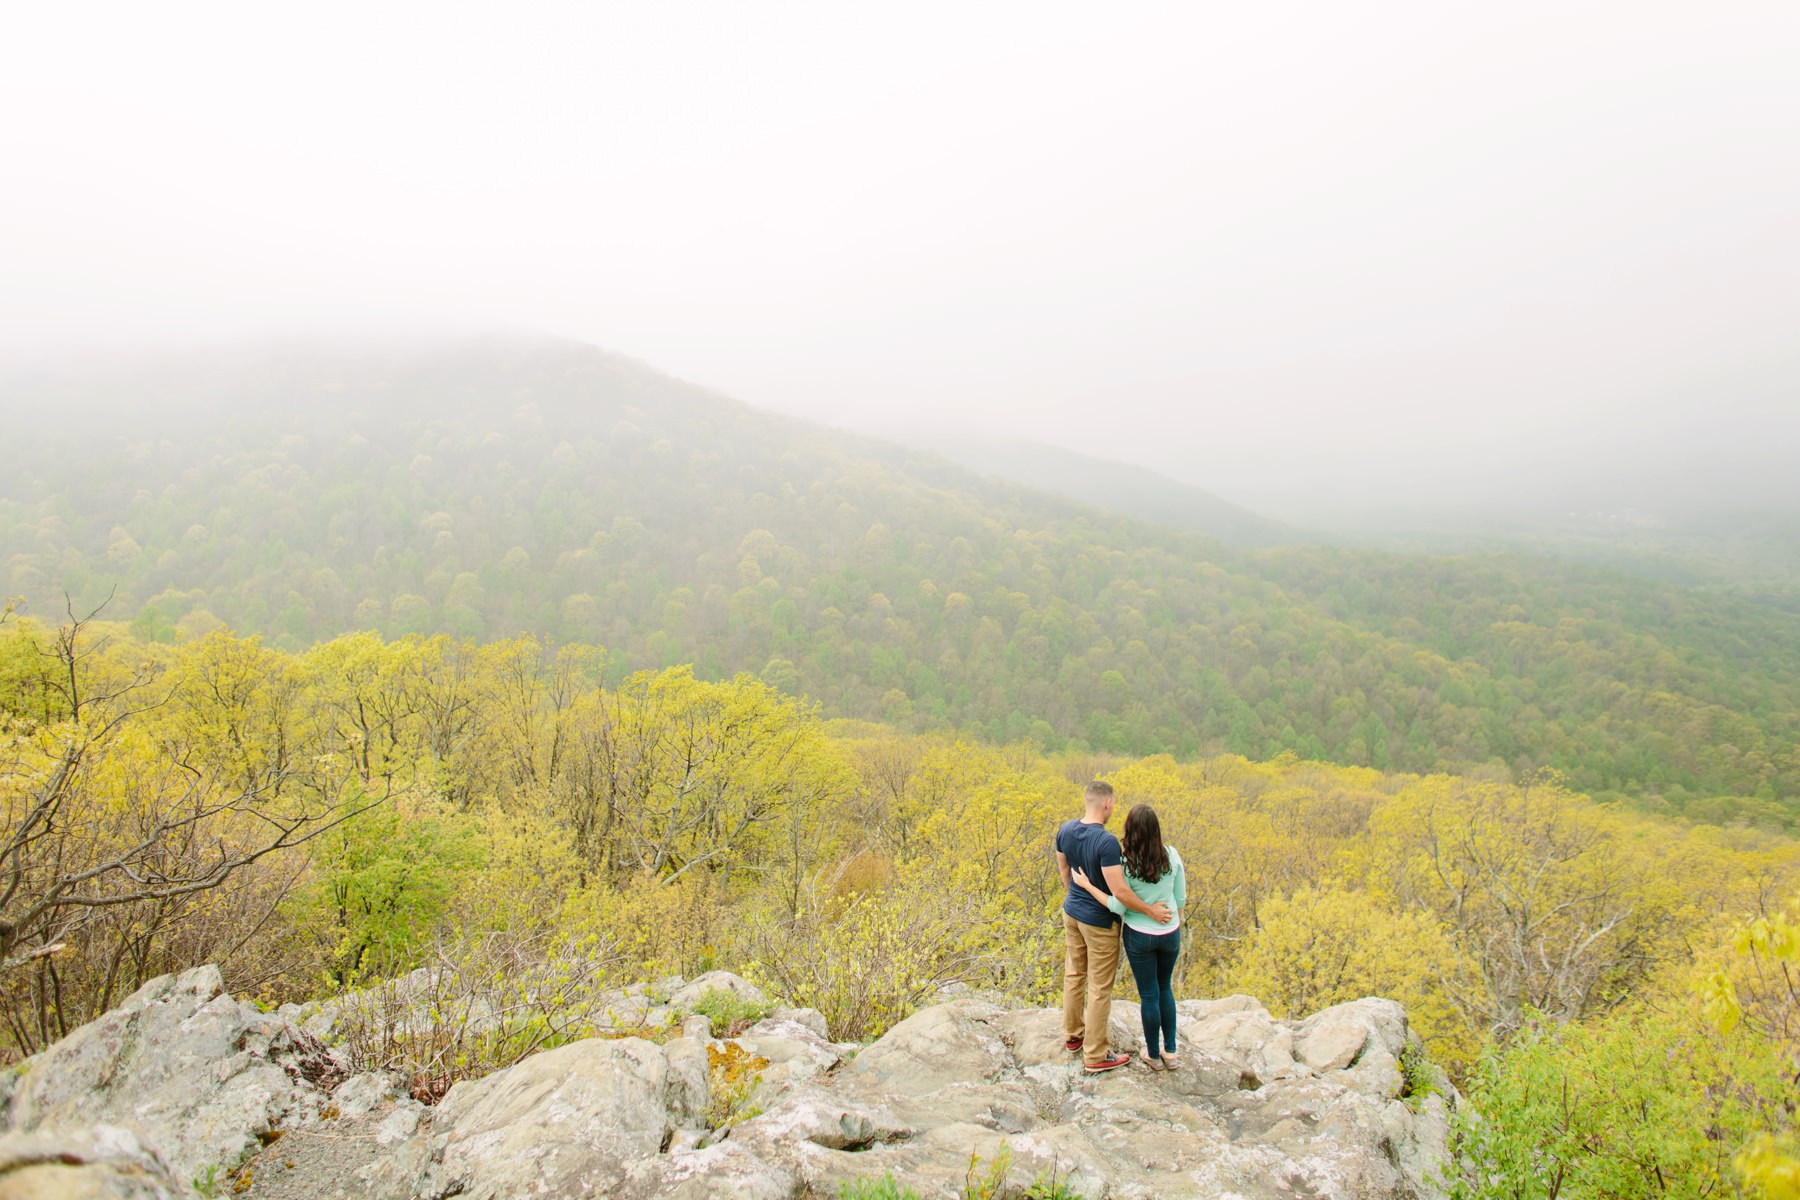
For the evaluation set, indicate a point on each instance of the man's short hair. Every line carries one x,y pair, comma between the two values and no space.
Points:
1097,791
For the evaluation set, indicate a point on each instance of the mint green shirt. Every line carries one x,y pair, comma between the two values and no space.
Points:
1171,889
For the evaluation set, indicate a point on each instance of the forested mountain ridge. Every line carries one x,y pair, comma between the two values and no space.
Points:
1112,486
512,486
1753,554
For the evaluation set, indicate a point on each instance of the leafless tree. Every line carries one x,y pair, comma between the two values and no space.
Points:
93,824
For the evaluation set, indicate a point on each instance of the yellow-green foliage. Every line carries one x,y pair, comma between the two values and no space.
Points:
1684,1097
530,878
1565,906
506,806
670,926
1323,946
383,883
870,960
1635,1104
1756,995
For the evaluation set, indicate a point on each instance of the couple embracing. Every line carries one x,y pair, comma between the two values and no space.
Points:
1141,881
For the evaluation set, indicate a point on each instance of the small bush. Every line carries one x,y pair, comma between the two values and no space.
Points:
993,1183
734,1074
490,1001
729,1013
1419,1077
1050,1187
868,962
875,1189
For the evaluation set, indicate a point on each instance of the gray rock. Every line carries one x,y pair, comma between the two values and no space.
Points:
945,1044
821,1119
197,1076
688,1082
362,1094
1244,1038
1331,1047
806,1018
104,1162
570,1120
1034,1036
794,1051
399,1124
1335,1038
1258,1109
689,994
726,1171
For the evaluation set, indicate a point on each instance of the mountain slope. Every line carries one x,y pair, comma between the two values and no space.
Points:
1116,487
504,486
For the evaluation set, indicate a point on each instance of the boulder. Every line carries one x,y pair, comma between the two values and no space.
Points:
362,1094
104,1162
198,1077
820,1118
1334,1038
567,1121
1242,1038
942,1045
806,1018
794,1051
689,994
688,1081
726,1171
1035,1035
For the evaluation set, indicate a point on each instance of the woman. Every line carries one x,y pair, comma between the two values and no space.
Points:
1155,873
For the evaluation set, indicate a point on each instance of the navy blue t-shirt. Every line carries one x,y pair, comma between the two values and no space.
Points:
1090,848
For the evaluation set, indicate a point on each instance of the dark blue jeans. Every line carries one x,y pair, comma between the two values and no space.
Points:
1152,959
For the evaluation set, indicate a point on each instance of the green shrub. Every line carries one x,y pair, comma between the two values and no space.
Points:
729,1012
993,1184
875,1189
1420,1078
988,1182
493,1000
1636,1104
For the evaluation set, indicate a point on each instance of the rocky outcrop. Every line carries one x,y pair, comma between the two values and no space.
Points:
181,1084
197,1078
100,1163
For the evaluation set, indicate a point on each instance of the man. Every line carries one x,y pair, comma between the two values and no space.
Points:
1090,931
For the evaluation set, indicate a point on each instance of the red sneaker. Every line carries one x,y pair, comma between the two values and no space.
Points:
1108,1064
1073,1045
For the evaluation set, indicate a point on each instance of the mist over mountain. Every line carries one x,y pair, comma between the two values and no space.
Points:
505,485
1109,485
1719,445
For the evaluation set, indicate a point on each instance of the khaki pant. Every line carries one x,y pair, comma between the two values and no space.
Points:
1090,964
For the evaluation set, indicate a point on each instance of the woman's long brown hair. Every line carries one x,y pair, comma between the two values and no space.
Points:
1144,854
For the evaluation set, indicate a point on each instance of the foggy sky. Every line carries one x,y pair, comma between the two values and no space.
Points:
1379,252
